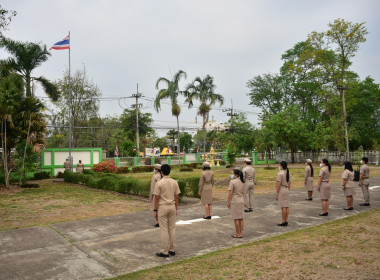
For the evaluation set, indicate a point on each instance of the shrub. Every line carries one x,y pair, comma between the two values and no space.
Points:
107,183
123,170
140,169
186,169
126,185
105,167
92,182
88,172
229,166
59,175
222,162
29,186
41,175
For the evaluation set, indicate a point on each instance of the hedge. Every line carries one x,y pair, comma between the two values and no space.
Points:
41,175
127,185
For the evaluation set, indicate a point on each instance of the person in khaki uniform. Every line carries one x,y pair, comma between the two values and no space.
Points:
156,177
324,186
80,166
235,201
67,164
205,189
282,192
364,181
249,185
309,177
348,185
166,194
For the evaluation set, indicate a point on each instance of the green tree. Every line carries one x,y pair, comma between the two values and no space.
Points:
171,91
172,133
5,19
204,91
288,128
265,141
345,37
186,140
128,148
84,104
25,57
128,122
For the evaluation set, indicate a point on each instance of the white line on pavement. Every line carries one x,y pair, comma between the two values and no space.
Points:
374,187
189,222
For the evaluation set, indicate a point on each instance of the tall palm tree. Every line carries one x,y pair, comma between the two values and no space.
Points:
172,92
204,91
25,57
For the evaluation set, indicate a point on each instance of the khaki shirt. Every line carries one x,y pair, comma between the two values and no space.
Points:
67,165
364,169
80,167
281,177
349,176
308,172
249,173
166,188
207,178
237,188
156,177
325,174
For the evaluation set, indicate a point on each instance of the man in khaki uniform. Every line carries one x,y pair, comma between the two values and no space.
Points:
249,185
364,181
166,194
67,164
156,177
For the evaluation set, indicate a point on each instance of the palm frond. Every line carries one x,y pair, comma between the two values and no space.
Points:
50,88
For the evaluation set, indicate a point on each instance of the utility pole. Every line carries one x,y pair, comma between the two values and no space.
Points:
231,114
137,106
341,89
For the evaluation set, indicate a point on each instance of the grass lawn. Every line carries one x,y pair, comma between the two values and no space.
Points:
344,249
57,202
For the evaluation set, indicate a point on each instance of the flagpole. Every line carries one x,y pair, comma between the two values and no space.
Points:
71,163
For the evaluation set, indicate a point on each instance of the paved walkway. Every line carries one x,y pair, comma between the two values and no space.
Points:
109,246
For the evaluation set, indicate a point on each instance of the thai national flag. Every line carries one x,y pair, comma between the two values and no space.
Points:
183,151
62,45
116,152
167,151
198,149
134,149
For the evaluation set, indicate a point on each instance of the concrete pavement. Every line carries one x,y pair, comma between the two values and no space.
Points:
109,246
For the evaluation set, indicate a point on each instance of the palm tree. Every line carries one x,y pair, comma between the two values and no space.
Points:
25,57
204,91
172,92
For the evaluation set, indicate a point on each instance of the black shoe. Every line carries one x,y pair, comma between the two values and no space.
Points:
162,255
324,214
246,210
157,225
284,224
310,199
208,217
250,209
351,208
364,204
171,253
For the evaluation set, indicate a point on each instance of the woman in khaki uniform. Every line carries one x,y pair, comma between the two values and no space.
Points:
156,177
348,185
324,186
80,167
282,192
235,201
205,189
309,177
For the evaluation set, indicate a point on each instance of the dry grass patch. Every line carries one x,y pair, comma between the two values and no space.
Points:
57,202
344,249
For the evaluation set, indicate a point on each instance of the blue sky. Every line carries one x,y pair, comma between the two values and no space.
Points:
123,43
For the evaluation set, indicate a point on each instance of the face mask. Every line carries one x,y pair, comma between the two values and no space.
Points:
232,177
320,164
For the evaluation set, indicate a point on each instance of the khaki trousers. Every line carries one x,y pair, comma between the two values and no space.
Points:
166,219
249,187
365,192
